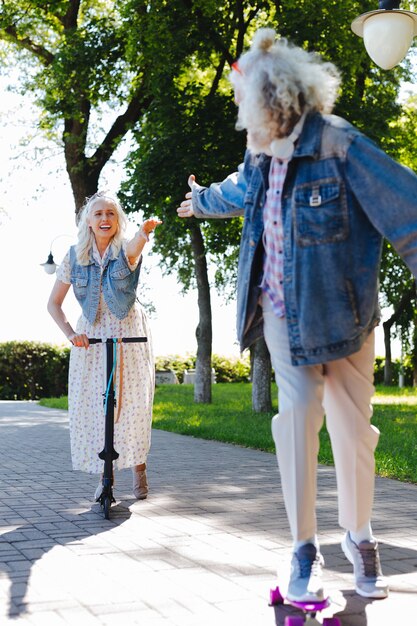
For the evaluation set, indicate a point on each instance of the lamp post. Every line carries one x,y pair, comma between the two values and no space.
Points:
387,32
50,266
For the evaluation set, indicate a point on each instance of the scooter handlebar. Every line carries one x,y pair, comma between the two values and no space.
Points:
118,339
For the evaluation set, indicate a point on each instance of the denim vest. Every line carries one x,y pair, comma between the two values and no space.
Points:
341,196
118,282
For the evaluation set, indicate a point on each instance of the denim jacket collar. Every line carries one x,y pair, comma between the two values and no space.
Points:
309,141
308,144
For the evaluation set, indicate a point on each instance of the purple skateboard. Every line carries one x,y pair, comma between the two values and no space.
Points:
309,609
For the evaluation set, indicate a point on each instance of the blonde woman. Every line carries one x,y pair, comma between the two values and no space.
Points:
317,198
103,269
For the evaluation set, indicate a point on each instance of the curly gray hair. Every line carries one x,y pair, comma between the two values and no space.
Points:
275,83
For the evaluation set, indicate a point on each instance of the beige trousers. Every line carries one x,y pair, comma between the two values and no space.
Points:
342,390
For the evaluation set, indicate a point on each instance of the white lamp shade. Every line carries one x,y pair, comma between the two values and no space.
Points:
387,34
387,37
50,268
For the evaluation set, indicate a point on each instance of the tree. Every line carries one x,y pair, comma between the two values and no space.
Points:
398,292
397,283
161,65
189,128
77,64
190,123
261,371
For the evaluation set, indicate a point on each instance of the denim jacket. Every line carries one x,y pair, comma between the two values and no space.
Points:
118,281
341,196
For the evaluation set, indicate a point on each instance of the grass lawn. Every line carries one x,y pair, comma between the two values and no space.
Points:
230,419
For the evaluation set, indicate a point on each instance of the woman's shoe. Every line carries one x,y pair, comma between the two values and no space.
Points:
140,483
99,488
98,491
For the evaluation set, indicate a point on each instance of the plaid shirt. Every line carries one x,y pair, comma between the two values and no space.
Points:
273,237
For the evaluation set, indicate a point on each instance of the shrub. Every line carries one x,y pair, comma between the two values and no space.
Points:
30,370
407,369
228,369
231,369
176,363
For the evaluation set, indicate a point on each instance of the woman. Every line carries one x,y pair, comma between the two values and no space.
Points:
103,269
317,197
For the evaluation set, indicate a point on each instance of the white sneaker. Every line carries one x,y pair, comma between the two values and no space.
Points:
306,575
370,583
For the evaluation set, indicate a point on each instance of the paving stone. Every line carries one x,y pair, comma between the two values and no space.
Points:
205,554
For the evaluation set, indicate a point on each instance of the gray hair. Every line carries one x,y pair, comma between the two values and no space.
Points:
277,82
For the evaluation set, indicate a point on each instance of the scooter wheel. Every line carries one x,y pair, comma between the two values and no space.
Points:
332,621
106,507
294,620
275,597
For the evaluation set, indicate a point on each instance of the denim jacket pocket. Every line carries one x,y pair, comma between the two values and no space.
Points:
321,212
80,286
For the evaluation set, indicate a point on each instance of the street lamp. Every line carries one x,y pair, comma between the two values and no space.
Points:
387,32
50,266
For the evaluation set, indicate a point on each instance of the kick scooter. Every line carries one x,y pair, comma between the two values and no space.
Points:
109,454
310,610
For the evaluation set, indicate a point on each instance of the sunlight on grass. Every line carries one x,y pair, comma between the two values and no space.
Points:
229,418
395,395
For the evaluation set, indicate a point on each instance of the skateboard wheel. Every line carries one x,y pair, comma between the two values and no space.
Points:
275,597
332,621
294,620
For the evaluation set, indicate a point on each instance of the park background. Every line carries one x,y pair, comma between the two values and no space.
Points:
37,210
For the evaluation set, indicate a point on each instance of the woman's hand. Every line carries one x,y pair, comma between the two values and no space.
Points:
149,226
79,340
186,207
135,246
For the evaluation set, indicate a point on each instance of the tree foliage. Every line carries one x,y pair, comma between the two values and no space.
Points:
77,65
190,126
160,67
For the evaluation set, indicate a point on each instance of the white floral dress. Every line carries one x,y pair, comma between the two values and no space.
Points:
87,383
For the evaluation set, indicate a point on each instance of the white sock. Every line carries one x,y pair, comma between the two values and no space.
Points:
314,540
364,533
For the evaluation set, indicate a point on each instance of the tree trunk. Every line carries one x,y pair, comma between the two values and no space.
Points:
202,386
403,303
414,353
388,357
261,377
82,187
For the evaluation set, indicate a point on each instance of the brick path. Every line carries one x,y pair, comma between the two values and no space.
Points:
203,549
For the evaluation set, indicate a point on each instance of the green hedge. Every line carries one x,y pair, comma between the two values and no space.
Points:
31,370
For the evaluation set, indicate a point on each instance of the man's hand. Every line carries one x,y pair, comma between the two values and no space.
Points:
186,207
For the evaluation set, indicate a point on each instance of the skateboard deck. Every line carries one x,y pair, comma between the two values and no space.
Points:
309,609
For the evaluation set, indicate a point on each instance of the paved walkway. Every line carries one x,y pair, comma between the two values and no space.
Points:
203,549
